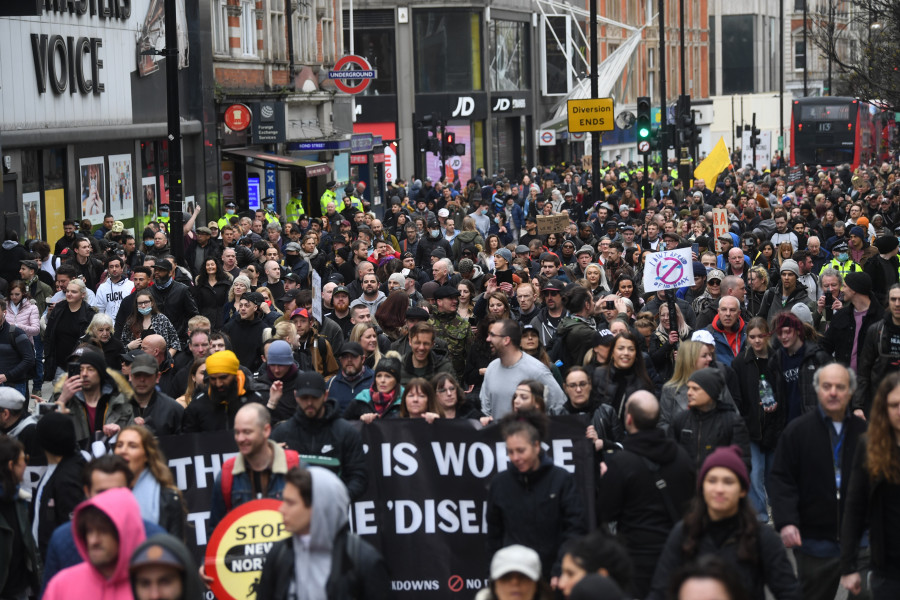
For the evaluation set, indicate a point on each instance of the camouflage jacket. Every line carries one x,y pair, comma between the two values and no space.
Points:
454,330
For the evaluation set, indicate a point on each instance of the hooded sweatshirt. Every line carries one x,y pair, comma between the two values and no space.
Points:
191,586
121,507
312,552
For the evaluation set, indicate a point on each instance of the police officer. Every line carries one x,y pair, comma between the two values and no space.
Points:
294,209
841,262
229,213
330,196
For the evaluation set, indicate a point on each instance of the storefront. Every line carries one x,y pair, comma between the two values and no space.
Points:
83,123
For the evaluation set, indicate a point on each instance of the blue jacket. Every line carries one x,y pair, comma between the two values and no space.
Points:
518,216
724,354
343,392
241,486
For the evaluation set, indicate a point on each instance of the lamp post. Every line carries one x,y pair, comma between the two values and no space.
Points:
173,107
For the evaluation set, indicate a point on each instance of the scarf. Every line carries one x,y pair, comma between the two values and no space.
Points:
146,492
383,401
165,285
731,336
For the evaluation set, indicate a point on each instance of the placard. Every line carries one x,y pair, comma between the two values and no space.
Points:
317,295
720,225
669,269
547,224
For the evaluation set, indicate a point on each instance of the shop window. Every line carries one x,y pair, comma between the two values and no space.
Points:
509,55
325,9
448,50
799,55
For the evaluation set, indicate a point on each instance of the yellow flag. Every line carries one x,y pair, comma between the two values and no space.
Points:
717,161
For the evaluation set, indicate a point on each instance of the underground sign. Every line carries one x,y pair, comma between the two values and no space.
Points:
239,546
349,69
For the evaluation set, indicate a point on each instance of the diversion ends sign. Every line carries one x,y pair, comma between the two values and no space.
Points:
239,546
595,114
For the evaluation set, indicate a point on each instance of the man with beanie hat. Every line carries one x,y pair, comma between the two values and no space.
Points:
709,422
97,400
214,408
883,268
788,292
860,250
321,437
811,472
278,377
59,490
249,329
851,323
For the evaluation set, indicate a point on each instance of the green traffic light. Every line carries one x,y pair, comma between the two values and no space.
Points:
643,132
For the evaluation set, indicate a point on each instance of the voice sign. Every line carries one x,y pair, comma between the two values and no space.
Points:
465,106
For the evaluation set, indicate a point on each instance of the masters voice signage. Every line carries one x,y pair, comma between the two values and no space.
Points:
61,59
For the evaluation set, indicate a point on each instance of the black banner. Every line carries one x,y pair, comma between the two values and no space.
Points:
425,505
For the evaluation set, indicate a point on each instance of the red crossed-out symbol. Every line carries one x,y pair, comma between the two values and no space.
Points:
455,583
341,83
669,270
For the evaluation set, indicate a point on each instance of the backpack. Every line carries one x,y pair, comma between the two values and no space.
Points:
293,460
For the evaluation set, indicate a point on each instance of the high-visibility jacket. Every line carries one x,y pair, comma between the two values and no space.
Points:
355,203
224,221
271,217
294,210
329,196
844,268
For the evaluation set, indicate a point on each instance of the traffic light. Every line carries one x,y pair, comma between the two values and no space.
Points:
685,121
695,133
642,124
451,148
754,133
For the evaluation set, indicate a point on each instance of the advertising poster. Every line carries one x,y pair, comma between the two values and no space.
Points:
121,194
93,189
31,216
55,213
456,168
149,194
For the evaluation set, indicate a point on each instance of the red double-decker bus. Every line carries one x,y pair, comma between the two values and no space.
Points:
831,131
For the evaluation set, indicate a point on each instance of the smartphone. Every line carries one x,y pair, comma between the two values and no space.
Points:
73,369
610,305
504,276
695,248
47,407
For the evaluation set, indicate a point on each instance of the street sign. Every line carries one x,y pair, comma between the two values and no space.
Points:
644,147
343,74
546,137
237,117
595,114
668,269
577,136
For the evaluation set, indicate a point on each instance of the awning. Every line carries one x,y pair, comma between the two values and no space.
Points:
312,168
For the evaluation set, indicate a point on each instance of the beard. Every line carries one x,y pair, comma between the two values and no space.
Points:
226,394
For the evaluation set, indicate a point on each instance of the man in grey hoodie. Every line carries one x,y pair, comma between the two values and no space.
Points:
322,558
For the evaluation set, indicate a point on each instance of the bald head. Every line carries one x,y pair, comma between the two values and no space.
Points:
255,413
155,346
641,412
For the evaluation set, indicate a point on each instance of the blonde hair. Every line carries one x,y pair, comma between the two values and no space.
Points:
686,363
356,335
242,279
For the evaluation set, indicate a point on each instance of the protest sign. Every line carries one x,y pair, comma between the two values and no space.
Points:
669,269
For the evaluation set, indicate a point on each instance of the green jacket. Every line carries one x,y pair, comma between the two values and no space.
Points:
32,559
118,392
39,291
456,331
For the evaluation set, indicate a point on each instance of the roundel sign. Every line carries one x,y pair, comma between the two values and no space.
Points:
352,74
577,136
239,545
238,117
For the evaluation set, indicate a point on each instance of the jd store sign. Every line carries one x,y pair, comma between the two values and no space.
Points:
511,104
471,106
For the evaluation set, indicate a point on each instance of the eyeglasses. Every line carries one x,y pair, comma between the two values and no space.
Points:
550,293
147,303
578,385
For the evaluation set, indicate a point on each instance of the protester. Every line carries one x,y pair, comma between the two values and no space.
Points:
162,568
516,574
20,574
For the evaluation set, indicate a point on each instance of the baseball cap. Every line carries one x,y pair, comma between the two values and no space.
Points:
254,297
553,284
300,312
516,559
704,337
144,363
163,265
446,291
309,383
352,348
443,213
715,274
341,289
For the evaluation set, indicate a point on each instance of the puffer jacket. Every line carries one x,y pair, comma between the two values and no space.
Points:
27,318
701,432
539,509
327,441
122,509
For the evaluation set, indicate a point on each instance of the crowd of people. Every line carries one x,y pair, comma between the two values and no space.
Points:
752,414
